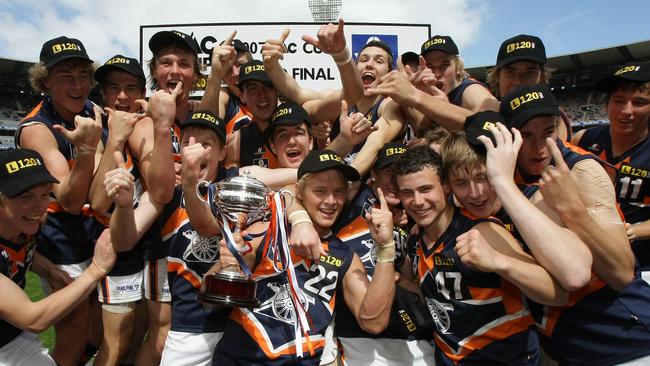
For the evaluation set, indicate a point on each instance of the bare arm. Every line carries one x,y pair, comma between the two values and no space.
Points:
19,310
274,178
490,248
72,191
477,98
223,57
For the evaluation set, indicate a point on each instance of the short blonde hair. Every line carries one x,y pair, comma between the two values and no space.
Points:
461,73
492,77
38,74
302,182
458,156
198,68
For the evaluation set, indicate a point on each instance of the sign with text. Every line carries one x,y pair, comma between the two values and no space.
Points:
307,64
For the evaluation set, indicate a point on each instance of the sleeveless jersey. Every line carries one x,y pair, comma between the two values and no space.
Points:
481,319
632,181
353,230
265,336
253,149
190,257
237,114
456,96
15,260
64,238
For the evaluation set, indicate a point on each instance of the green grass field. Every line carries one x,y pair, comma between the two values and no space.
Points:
35,292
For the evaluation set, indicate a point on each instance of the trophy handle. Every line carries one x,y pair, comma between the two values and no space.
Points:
287,192
199,185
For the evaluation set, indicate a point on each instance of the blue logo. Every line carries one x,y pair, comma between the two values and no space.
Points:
360,40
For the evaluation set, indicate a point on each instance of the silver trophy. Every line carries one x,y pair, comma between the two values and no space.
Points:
241,200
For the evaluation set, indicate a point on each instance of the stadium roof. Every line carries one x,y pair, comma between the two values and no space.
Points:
14,67
603,58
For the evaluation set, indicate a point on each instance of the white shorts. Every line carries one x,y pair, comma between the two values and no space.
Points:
27,350
156,284
73,270
120,289
384,351
191,349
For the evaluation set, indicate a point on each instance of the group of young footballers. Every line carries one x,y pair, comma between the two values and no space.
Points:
435,220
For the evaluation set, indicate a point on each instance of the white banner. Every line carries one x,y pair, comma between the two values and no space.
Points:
310,67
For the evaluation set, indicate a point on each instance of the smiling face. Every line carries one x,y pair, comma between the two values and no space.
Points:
383,178
423,196
323,196
473,190
291,144
629,111
260,99
534,155
121,90
22,215
372,64
68,84
172,65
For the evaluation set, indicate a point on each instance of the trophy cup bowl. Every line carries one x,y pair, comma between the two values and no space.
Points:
242,200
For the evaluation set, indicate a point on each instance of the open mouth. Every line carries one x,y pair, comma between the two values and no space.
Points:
292,154
439,85
171,85
76,97
328,212
479,204
123,108
32,219
368,78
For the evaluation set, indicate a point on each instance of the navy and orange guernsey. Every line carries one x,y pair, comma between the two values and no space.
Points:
632,182
190,257
237,114
253,149
481,319
266,335
353,230
64,238
15,260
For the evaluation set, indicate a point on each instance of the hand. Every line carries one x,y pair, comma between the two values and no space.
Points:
424,80
400,218
178,171
162,106
557,185
629,230
502,159
380,221
355,127
273,50
305,242
104,256
476,253
194,156
121,124
397,86
119,183
223,57
331,38
87,131
321,132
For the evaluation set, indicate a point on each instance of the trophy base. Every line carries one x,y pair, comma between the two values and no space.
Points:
229,288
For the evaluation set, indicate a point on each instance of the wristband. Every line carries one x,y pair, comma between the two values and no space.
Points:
386,253
299,217
343,57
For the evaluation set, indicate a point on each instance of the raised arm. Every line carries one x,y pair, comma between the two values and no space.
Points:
554,246
371,302
120,126
74,182
19,310
223,57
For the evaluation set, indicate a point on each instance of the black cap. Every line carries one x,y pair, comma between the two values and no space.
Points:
287,114
631,71
389,154
22,169
521,47
163,39
121,63
527,101
62,48
477,125
207,119
439,43
253,70
320,160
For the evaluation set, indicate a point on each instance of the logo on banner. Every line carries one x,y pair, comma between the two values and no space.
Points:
360,40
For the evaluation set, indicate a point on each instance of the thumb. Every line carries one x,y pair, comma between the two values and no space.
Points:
109,112
285,34
191,141
119,160
67,134
344,109
142,103
422,63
